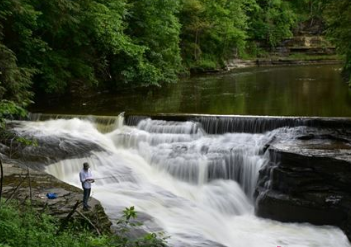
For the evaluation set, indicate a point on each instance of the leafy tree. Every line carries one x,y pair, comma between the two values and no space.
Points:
79,35
338,18
81,44
272,21
307,9
152,25
64,45
213,30
15,80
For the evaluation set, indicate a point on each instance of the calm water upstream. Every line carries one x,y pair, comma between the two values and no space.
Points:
275,91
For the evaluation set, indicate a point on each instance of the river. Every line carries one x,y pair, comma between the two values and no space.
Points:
271,91
195,187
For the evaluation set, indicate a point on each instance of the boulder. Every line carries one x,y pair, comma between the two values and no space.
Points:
43,150
308,179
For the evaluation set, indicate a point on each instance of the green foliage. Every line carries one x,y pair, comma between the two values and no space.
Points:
212,31
338,18
126,224
272,21
26,142
307,9
253,50
26,228
206,64
9,109
129,213
79,36
64,45
153,55
84,43
15,81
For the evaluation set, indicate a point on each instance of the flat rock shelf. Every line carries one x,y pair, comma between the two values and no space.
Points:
23,184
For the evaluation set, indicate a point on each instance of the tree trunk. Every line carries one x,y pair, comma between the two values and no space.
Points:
1,179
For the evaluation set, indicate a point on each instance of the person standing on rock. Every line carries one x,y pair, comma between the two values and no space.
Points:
86,178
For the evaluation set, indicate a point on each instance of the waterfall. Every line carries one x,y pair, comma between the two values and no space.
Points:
194,186
103,123
247,124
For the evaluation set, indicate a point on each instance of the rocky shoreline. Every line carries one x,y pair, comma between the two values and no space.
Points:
279,61
304,48
22,184
308,179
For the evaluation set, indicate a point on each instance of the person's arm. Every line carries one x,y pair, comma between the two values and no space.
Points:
82,178
90,178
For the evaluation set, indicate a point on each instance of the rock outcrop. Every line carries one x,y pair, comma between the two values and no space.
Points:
23,185
308,179
308,46
42,150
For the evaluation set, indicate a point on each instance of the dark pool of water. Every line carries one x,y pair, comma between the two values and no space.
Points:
275,91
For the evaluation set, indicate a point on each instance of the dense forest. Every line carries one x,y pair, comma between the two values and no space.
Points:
57,46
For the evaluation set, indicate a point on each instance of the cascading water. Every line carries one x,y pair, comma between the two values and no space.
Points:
195,187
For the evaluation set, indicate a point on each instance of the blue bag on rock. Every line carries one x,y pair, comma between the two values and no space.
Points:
51,195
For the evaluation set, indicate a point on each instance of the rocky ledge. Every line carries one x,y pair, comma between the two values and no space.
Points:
308,178
22,184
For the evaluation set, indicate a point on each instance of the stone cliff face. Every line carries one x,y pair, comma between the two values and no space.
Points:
308,178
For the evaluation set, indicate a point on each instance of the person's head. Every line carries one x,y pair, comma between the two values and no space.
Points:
86,166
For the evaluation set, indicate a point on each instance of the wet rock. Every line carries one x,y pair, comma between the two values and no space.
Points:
306,137
308,180
142,225
197,242
46,150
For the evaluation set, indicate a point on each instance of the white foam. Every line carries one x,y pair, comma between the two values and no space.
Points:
166,177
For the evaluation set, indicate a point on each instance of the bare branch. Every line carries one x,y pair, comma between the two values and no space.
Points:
89,221
1,179
65,221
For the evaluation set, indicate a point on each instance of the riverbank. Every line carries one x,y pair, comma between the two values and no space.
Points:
282,61
22,184
304,48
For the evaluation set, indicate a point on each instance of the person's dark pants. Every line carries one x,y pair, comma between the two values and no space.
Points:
86,195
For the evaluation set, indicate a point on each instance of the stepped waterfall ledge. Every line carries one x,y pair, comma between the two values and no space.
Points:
203,186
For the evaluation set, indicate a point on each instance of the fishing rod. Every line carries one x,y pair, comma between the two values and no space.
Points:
115,177
104,178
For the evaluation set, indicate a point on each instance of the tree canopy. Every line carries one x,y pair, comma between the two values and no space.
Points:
337,15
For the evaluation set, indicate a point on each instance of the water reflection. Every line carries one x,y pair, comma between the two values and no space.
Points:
283,91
